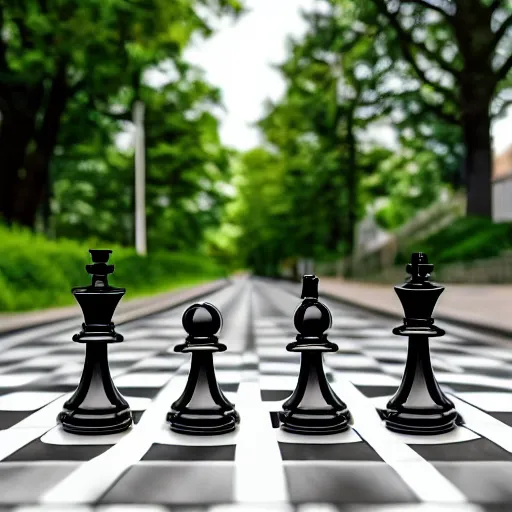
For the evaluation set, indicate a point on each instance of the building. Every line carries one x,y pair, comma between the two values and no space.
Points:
502,186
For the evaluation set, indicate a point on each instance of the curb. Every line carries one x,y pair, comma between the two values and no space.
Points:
178,298
467,324
130,310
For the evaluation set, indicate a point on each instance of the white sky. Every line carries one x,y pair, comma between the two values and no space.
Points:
237,59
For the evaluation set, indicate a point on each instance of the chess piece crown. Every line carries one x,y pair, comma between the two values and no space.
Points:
418,296
419,407
97,406
99,269
98,301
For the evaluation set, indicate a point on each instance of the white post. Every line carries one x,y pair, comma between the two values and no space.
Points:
140,180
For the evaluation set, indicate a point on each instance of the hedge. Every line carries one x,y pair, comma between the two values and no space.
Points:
36,272
467,239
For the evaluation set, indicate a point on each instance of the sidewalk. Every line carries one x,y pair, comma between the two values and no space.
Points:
487,307
126,311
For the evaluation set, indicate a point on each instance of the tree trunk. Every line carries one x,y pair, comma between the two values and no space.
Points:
14,140
16,132
476,82
37,163
477,139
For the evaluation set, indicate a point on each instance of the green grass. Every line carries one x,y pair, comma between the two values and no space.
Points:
467,239
37,273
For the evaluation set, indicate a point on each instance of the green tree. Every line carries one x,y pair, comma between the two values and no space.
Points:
332,75
186,167
53,52
341,78
261,211
461,53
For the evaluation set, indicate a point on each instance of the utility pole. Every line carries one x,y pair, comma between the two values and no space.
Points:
140,180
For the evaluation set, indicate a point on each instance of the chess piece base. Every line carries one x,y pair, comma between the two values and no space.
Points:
204,424
419,407
96,406
310,422
82,422
202,409
314,408
406,423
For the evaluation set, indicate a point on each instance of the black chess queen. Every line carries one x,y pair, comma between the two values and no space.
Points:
419,406
97,407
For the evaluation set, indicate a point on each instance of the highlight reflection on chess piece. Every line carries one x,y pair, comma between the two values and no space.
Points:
313,408
202,409
97,407
419,406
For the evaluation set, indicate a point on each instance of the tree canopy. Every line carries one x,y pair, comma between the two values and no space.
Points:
387,105
436,72
69,75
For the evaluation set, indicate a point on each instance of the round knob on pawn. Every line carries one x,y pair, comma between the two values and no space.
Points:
202,320
312,319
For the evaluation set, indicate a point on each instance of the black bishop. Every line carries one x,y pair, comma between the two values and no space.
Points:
202,409
419,406
313,408
97,407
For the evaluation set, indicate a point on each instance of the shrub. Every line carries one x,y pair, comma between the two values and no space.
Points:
36,272
467,239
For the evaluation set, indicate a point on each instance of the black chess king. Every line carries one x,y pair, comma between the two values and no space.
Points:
97,407
419,406
202,409
313,408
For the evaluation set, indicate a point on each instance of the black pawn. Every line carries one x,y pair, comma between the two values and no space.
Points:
419,406
97,407
313,408
202,409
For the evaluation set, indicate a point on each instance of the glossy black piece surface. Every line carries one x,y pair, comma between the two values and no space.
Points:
313,408
98,302
97,407
419,406
202,409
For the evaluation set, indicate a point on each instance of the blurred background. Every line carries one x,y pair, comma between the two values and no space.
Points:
197,138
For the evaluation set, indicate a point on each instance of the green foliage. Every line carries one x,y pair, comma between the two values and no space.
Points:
463,85
36,272
186,165
391,216
312,132
467,239
262,211
70,74
406,183
343,78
